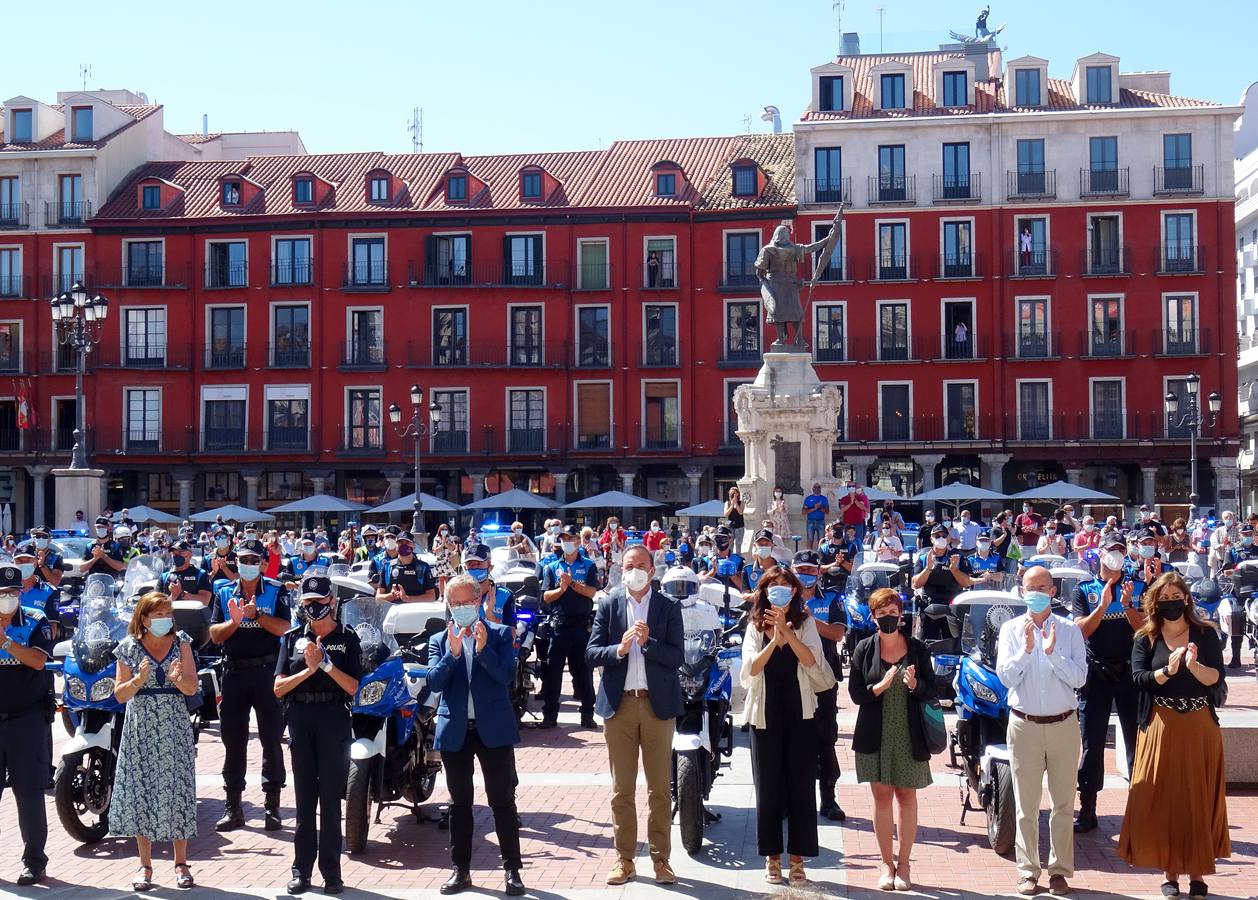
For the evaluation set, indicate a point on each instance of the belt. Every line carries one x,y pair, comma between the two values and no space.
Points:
232,664
1043,720
319,697
637,693
1182,704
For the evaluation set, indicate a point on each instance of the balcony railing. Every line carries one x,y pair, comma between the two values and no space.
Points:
836,270
739,274
553,354
1033,345
66,215
223,439
893,189
589,276
1104,182
958,265
449,441
52,285
1181,259
361,440
363,355
142,440
292,273
832,353
526,440
1095,343
661,437
289,355
365,276
1035,263
141,275
142,354
592,355
890,267
970,346
1179,179
661,353
827,190
11,361
13,286
226,275
14,216
594,441
225,355
1107,260
1181,341
464,274
660,278
740,356
961,188
1031,185
287,437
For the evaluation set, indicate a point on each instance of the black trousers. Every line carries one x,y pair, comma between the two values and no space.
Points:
319,737
497,765
24,760
567,646
1099,695
253,690
827,717
783,758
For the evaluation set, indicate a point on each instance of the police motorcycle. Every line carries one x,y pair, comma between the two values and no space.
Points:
83,784
868,575
193,618
705,729
392,760
1238,614
520,586
982,707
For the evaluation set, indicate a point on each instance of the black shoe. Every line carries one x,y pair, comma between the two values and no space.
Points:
233,816
30,876
588,722
333,887
299,883
1198,890
1235,663
514,885
547,723
272,820
1170,889
833,812
1085,822
461,880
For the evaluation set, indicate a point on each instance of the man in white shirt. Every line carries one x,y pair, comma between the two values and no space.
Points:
1042,660
967,532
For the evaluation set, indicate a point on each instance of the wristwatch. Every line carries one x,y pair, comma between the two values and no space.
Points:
1166,672
326,665
8,642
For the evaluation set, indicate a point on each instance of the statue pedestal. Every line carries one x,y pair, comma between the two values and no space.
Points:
76,489
787,421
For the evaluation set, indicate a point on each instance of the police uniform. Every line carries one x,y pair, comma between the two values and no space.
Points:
1109,683
297,566
228,558
827,606
249,660
112,551
24,712
980,565
191,580
415,576
51,566
571,618
317,711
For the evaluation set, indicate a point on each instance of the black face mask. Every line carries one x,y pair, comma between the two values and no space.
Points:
1172,610
179,561
313,612
722,543
888,624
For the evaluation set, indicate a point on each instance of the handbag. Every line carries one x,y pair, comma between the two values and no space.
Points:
933,728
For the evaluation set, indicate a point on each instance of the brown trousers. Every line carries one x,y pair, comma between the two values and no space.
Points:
635,729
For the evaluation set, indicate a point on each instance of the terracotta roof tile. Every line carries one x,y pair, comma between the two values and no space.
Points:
774,154
57,141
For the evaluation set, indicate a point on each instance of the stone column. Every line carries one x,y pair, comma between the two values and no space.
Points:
183,480
992,470
1149,473
316,484
928,462
251,488
1226,483
627,477
39,475
694,479
478,489
1074,474
561,486
860,468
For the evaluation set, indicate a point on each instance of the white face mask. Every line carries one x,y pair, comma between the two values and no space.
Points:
390,543
940,543
554,529
764,552
8,604
636,579
777,494
1113,560
569,547
984,545
613,526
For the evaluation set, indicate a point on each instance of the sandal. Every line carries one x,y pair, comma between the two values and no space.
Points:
886,881
1170,889
184,880
143,880
1198,890
797,876
773,869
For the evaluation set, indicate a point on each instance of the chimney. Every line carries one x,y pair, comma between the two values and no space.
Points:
205,124
771,114
850,44
1154,82
977,54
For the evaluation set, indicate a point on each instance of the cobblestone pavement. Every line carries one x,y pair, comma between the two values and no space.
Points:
563,800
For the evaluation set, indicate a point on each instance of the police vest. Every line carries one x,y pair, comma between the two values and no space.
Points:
819,606
1094,590
21,634
979,564
299,564
36,598
266,600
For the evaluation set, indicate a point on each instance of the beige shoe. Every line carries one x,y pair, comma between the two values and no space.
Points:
621,872
1058,885
1028,887
664,873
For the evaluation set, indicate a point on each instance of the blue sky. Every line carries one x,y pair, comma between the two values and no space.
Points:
498,77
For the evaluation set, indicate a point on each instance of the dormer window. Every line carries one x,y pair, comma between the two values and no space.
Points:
531,185
666,184
379,189
831,99
23,126
892,91
456,188
231,193
1100,85
745,181
152,197
955,89
1026,90
303,190
81,124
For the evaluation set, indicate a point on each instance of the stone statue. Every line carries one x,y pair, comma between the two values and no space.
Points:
980,26
982,34
778,269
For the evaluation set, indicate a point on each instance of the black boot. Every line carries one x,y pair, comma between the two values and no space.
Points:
1086,819
1237,640
272,808
233,815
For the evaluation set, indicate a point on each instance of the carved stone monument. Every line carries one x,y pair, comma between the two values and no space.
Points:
787,421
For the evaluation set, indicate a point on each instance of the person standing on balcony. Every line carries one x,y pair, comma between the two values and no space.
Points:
1026,245
652,269
960,341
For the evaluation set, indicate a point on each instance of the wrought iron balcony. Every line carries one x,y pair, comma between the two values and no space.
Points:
366,276
288,274
893,189
14,216
1181,259
1035,263
1104,182
13,286
290,355
963,188
1179,179
66,215
366,355
1107,260
226,275
1031,185
830,191
225,354
958,265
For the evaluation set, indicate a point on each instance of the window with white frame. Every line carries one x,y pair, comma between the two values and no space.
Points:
144,418
144,336
526,420
450,435
594,415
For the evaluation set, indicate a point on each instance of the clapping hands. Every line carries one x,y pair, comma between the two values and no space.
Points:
910,678
1177,658
888,679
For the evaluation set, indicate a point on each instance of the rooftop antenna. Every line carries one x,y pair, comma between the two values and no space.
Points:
881,10
747,124
416,127
85,72
837,6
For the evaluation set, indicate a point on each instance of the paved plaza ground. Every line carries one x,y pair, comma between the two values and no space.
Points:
567,838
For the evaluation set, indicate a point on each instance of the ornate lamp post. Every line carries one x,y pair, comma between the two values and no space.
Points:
79,318
1192,418
418,430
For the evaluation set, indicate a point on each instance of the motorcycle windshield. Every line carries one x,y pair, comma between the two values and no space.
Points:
700,627
143,574
980,625
102,624
364,614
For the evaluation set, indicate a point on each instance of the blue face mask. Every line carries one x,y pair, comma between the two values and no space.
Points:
248,572
1036,601
780,595
1147,551
160,627
27,570
806,580
478,574
465,616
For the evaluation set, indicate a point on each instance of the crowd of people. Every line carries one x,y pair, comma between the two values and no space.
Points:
1129,639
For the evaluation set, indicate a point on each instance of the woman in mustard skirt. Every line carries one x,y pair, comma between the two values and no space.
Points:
1176,663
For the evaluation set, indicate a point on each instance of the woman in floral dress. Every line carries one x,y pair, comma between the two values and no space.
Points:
443,547
155,790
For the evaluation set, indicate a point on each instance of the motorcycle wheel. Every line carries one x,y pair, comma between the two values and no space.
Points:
1000,809
690,801
81,797
67,722
357,805
428,777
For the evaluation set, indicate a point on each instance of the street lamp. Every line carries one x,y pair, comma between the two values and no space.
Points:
1192,418
79,319
418,430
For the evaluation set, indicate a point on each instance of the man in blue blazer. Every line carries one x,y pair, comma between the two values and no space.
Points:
639,643
472,663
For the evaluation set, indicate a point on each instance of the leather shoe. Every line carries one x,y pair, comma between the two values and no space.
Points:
30,876
299,883
547,723
1084,823
833,812
514,884
461,880
1058,886
333,887
588,722
664,873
